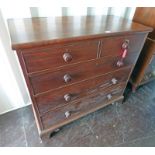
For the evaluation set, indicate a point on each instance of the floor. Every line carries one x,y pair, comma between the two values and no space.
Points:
119,125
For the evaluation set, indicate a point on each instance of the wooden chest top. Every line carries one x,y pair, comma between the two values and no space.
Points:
32,32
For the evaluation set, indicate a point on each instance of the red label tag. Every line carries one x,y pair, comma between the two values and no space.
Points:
124,53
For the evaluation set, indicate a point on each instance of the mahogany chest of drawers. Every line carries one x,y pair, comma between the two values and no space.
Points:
75,65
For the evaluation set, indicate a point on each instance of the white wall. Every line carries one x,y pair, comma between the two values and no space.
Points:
13,91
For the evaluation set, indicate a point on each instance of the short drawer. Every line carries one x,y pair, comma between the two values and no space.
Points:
44,58
54,79
115,45
71,93
70,111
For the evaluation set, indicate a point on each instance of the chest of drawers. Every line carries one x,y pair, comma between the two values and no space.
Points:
75,65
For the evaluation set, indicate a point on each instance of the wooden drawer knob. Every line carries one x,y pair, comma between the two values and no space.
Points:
114,81
67,114
67,57
67,78
120,63
125,44
109,96
67,97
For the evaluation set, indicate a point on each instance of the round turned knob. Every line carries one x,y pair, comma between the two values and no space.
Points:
120,63
114,81
67,78
67,57
109,96
67,114
67,97
125,44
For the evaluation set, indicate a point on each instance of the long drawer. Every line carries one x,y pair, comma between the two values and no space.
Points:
114,45
71,74
55,56
82,106
60,97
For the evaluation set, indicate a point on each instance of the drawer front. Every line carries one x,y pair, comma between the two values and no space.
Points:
82,106
51,80
115,45
72,93
44,58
